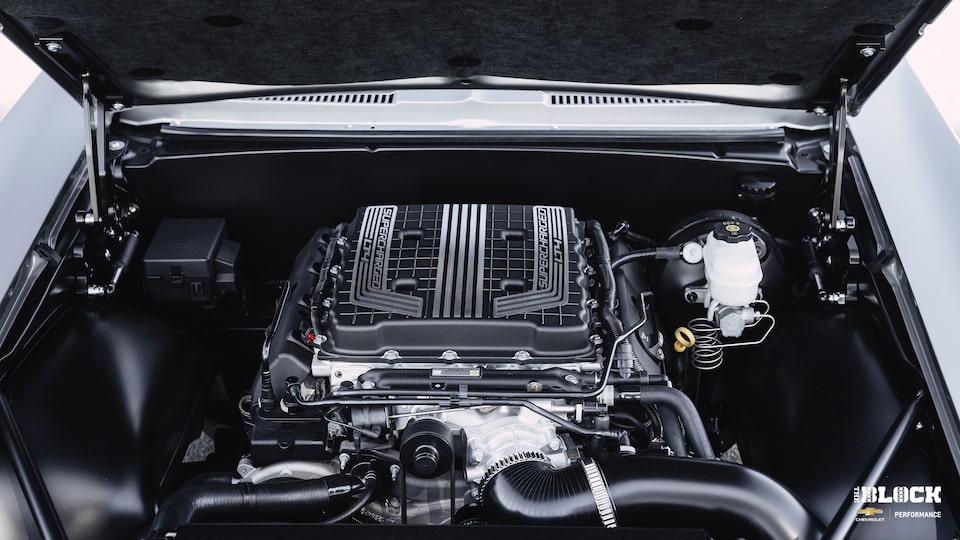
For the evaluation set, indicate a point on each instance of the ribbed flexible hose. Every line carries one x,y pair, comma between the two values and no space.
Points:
725,499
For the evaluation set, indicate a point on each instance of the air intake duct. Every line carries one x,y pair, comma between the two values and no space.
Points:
725,499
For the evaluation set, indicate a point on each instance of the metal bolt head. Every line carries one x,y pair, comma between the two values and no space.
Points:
572,379
116,145
521,356
868,52
368,385
335,269
554,444
477,456
394,472
592,303
116,106
54,46
919,426
819,111
660,354
596,339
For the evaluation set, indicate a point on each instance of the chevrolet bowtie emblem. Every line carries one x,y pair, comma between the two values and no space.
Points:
869,511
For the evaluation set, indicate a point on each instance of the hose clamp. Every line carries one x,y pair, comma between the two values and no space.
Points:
601,495
503,463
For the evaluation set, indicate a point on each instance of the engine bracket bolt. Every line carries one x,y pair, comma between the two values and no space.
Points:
572,379
477,456
919,426
592,303
116,145
54,46
596,339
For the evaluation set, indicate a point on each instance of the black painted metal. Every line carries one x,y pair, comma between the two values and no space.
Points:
106,398
843,523
34,490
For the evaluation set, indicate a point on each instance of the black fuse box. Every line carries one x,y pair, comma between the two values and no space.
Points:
190,261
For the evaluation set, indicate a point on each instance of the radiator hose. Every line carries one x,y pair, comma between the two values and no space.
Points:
725,499
246,502
684,408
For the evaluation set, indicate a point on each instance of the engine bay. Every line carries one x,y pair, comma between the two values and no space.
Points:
410,358
466,340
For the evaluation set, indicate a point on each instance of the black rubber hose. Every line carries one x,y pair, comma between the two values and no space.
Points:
603,262
685,409
672,432
725,499
370,483
245,502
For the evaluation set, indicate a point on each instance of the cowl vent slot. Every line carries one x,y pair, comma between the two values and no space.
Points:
608,100
337,99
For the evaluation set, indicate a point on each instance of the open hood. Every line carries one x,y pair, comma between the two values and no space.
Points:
783,54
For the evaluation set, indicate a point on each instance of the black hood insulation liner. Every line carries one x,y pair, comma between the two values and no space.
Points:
329,42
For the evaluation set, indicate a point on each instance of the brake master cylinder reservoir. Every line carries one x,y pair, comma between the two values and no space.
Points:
731,265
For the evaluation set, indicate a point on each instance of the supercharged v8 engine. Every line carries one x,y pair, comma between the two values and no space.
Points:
482,363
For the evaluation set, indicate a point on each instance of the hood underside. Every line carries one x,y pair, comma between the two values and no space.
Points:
798,44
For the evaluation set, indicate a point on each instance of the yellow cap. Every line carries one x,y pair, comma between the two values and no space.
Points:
684,339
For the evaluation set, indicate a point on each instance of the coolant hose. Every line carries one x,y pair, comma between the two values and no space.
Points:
245,502
672,432
684,408
727,500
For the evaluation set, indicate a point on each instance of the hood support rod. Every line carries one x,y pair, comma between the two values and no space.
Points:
94,118
838,146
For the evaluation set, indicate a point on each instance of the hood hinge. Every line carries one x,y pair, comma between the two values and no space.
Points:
113,239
